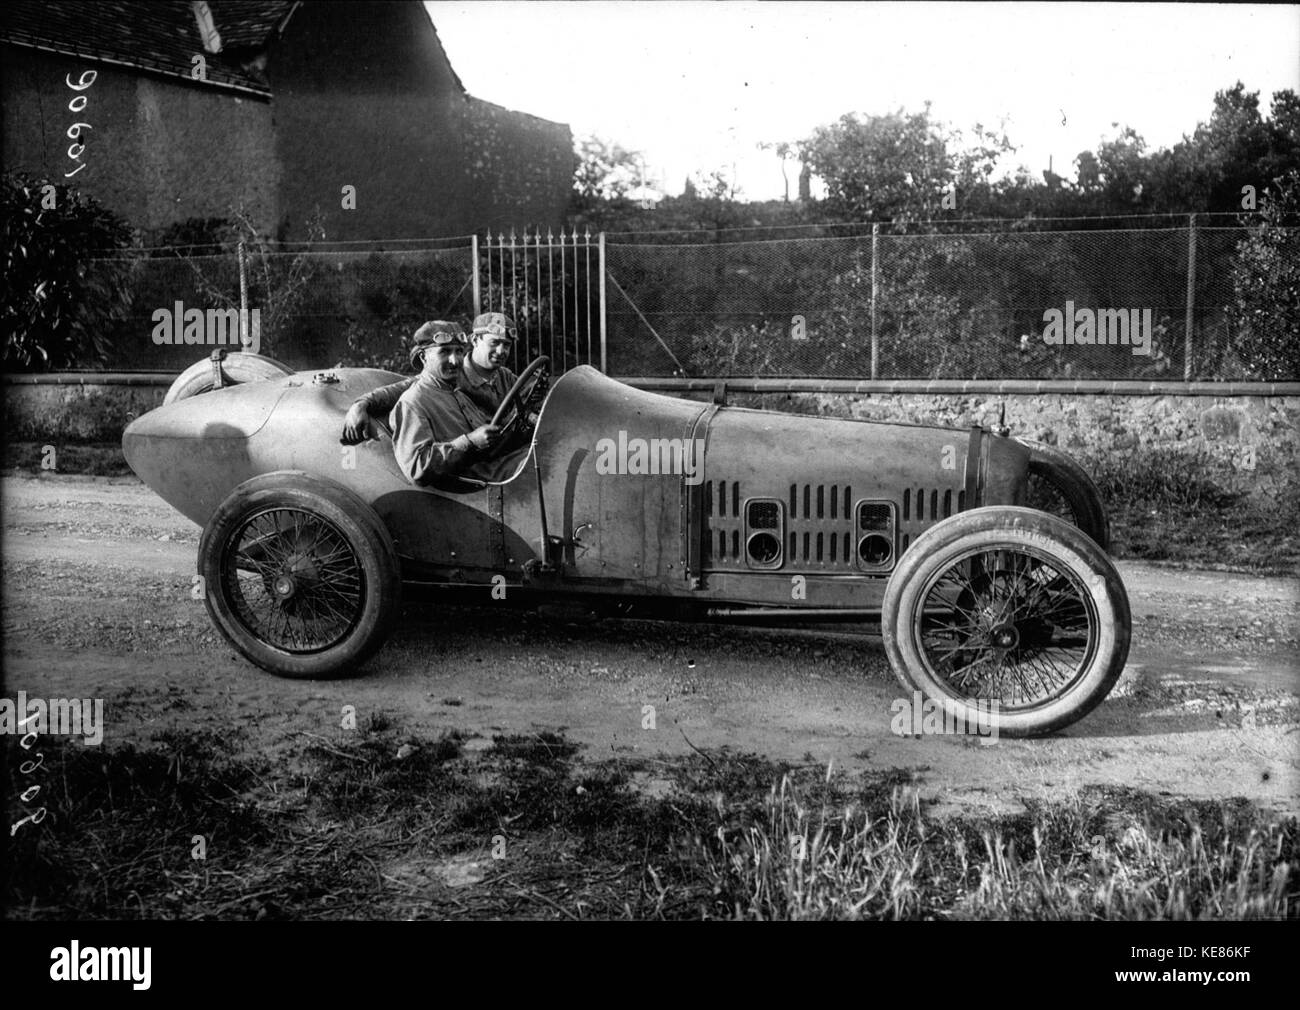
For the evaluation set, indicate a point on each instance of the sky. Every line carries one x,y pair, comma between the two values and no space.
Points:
696,86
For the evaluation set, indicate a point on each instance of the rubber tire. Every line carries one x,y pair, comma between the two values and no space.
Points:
1063,472
240,367
1011,527
367,536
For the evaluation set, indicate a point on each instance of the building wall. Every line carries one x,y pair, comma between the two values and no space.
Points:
365,97
518,168
159,150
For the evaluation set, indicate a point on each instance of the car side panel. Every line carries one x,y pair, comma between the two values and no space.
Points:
628,525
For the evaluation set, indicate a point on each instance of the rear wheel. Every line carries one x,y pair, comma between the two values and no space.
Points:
236,369
1060,486
1007,613
301,575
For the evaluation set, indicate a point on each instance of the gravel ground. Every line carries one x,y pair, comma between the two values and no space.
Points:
97,604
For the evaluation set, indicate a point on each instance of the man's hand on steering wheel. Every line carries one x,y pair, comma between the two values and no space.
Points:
527,390
484,437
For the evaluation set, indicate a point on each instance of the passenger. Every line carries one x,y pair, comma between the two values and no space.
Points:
438,431
484,377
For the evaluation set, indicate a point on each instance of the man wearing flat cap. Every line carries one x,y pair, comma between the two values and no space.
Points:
438,430
483,377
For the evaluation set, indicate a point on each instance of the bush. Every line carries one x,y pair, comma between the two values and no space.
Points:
56,311
1266,287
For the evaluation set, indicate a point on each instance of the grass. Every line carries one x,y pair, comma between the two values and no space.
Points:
368,825
1178,506
92,459
1063,860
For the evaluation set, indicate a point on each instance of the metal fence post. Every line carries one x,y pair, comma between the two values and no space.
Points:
473,240
875,287
1191,297
601,257
243,299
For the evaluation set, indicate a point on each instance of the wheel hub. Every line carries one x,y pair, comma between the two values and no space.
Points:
283,586
1004,636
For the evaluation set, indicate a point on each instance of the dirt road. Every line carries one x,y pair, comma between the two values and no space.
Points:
97,578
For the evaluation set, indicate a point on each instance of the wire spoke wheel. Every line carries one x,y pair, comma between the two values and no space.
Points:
1007,626
1010,611
294,580
303,578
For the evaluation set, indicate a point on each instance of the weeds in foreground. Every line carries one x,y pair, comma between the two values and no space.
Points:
364,826
1063,861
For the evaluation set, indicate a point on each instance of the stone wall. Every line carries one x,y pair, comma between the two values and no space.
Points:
58,414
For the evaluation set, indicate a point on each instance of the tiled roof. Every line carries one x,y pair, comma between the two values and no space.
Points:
159,36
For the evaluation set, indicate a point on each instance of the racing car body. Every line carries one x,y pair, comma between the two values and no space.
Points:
643,503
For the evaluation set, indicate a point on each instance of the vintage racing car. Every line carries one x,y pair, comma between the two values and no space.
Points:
636,504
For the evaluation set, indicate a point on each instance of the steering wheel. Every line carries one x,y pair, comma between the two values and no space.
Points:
531,381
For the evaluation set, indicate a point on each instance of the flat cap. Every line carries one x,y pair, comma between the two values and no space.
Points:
498,324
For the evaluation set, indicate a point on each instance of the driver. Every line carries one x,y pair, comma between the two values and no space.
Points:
483,376
438,430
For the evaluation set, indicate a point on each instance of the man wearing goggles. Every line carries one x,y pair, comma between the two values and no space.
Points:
438,430
483,376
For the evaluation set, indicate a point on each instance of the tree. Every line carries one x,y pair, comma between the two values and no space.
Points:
1088,172
1266,286
1234,148
604,178
58,304
881,168
1124,170
278,282
783,149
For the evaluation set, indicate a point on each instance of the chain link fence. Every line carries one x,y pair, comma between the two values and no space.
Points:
308,309
1133,303
1034,300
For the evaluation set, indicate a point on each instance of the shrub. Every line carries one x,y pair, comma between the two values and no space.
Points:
1266,287
56,311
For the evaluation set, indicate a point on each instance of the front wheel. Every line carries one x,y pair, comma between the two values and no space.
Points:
1010,615
300,575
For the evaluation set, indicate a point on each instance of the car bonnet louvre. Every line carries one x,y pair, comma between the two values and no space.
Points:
816,531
